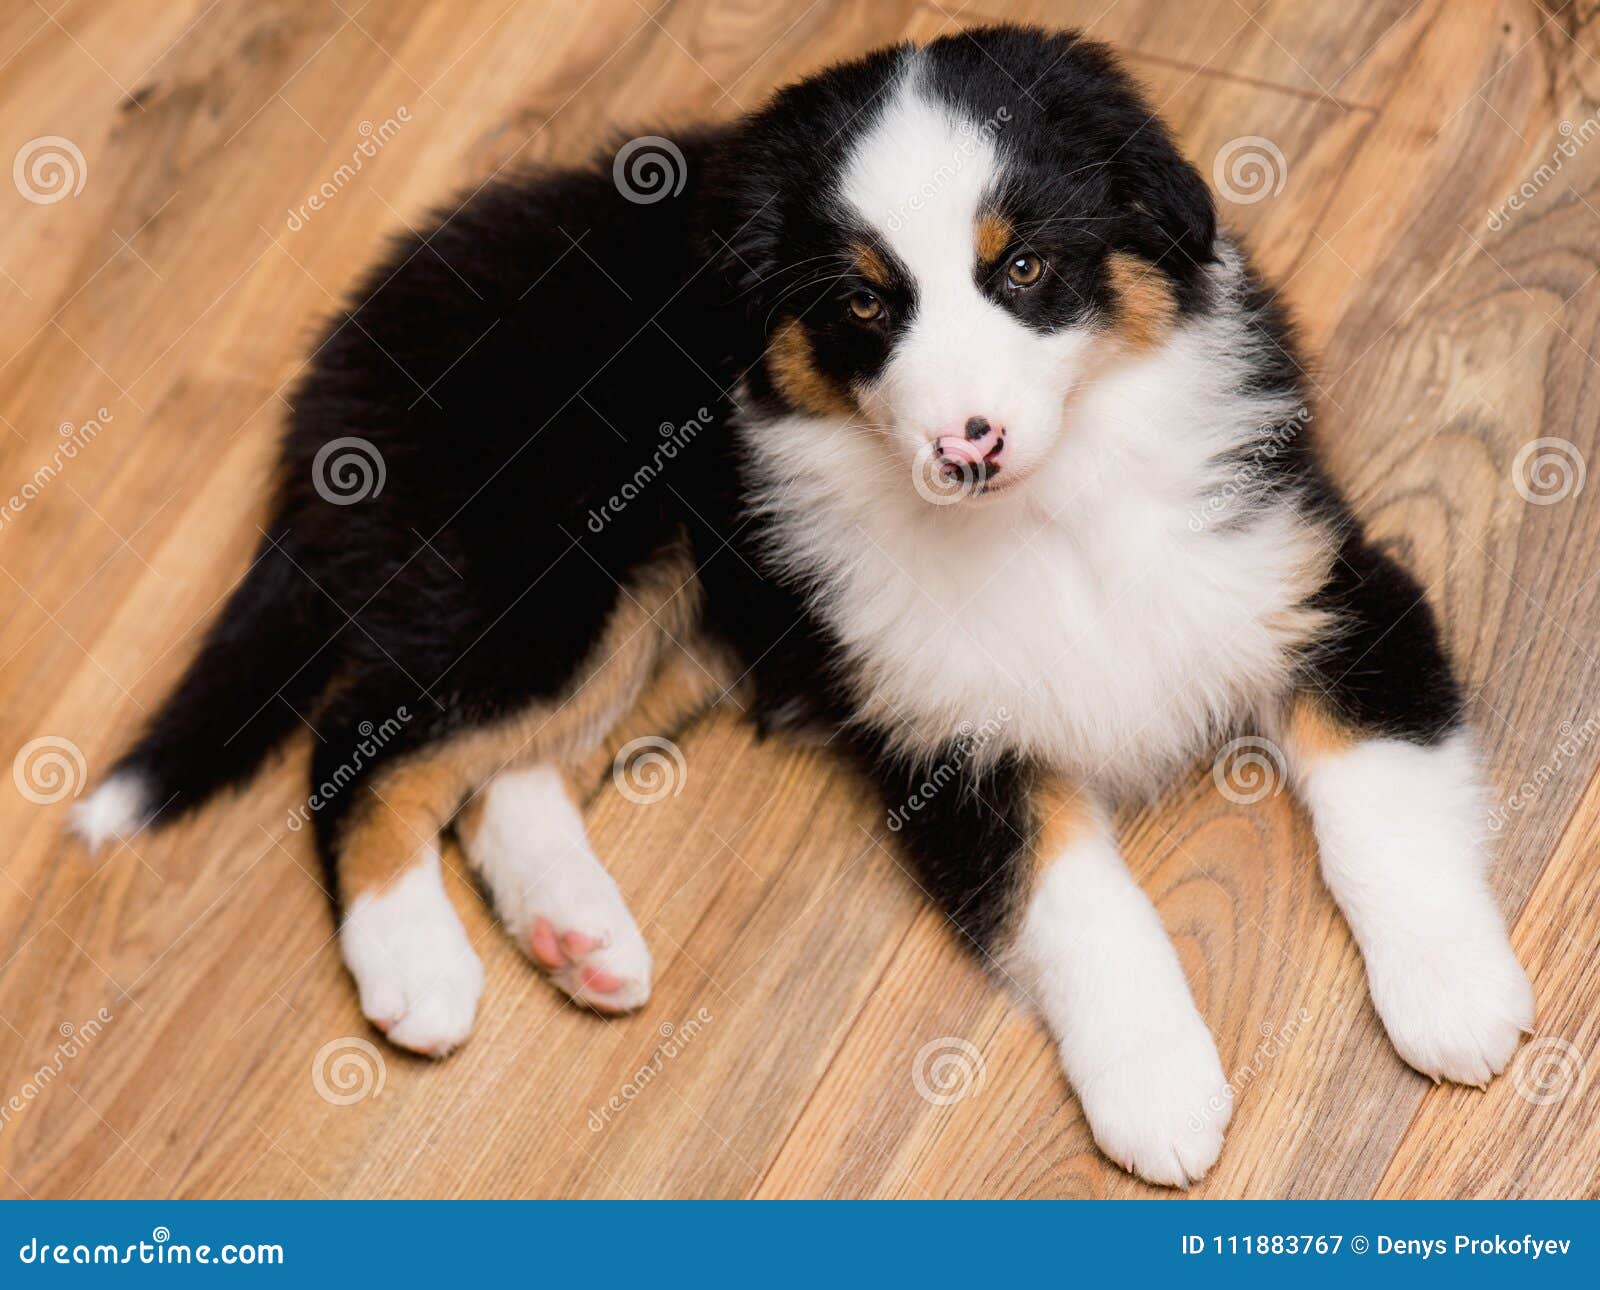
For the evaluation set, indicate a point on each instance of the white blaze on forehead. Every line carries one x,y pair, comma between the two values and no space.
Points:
919,177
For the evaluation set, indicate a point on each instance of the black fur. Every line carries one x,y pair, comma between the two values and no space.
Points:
1383,669
964,824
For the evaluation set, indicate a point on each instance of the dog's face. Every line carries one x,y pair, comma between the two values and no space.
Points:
942,243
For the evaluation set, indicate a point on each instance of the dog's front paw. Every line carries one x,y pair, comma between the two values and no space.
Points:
1455,1003
1160,1107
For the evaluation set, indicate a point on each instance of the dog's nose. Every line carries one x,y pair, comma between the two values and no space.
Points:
980,441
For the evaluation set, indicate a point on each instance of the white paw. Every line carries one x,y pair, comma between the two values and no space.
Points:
565,912
1399,828
1455,1004
419,978
608,970
1160,1107
554,896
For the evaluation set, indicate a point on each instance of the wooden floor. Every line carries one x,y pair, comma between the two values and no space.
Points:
175,1020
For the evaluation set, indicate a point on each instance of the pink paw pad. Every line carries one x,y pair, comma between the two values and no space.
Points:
595,979
577,944
546,948
563,953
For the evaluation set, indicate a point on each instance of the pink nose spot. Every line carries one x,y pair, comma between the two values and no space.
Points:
954,448
973,451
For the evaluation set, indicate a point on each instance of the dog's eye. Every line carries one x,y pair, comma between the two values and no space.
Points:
1025,270
865,306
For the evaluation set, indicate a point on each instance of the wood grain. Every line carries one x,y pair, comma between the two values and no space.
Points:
803,984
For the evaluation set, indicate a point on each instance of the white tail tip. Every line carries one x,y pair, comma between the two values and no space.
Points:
119,808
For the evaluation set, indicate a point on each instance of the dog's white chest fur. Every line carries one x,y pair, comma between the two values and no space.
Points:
1102,618
1109,643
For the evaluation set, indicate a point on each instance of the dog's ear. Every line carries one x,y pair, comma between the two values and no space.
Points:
1167,213
739,226
1173,213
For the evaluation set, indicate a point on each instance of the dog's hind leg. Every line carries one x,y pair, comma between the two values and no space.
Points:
378,829
416,971
523,833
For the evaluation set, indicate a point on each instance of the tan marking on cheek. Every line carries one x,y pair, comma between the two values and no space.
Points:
991,235
794,372
1314,733
1146,306
869,264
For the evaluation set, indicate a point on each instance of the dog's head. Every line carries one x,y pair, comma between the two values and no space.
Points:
939,243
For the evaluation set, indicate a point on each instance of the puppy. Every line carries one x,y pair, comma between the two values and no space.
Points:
927,408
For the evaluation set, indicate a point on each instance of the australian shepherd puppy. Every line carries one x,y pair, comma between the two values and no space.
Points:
927,409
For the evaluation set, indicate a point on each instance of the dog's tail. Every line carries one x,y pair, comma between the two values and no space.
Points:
264,660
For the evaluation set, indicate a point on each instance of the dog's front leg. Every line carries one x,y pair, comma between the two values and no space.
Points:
1026,867
1391,776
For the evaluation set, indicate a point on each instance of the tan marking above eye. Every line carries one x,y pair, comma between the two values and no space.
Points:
1025,270
992,235
870,265
865,305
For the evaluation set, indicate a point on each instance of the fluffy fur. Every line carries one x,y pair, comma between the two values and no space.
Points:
943,416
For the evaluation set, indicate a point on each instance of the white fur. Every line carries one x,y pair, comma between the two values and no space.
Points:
920,177
1401,831
534,856
117,809
415,968
1094,957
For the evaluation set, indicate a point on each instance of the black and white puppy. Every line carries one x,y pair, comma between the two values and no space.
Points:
927,408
